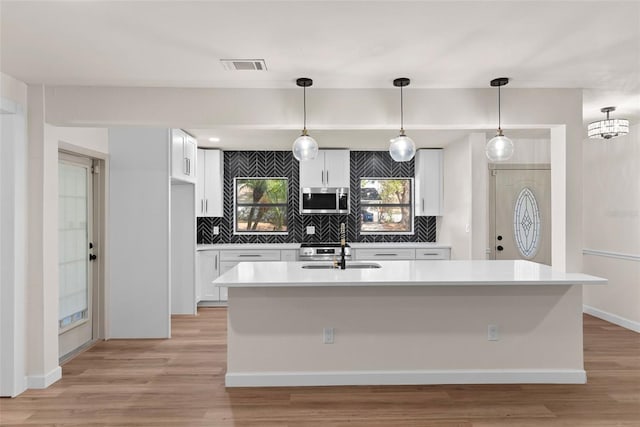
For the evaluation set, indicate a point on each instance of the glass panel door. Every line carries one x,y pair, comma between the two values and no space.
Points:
74,231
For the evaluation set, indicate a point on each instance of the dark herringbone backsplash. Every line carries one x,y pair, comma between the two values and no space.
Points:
282,164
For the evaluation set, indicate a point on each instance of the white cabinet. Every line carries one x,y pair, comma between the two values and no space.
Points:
385,254
231,257
183,156
329,169
434,253
209,186
208,269
429,182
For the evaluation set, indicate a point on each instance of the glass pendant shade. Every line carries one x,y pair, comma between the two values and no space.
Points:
305,148
609,128
499,148
402,148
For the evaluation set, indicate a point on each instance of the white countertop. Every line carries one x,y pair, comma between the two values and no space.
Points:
354,245
406,273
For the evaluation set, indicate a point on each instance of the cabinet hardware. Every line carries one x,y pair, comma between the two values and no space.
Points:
322,177
429,254
249,255
202,205
216,264
206,205
327,177
423,205
386,255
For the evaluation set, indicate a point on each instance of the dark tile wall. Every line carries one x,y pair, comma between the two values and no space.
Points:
283,164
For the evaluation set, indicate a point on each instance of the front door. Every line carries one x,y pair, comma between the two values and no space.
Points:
75,202
520,214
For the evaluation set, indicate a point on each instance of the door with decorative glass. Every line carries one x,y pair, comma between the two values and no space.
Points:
75,213
520,212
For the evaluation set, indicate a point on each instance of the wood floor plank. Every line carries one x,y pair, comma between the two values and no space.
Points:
180,382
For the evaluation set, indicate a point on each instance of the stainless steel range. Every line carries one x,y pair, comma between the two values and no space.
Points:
322,252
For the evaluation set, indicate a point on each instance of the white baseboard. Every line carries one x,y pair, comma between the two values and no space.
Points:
481,376
44,381
612,318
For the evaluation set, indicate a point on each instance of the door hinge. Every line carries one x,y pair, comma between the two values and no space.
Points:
494,172
95,169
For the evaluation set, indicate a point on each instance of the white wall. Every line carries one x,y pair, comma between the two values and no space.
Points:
455,223
480,196
612,227
13,232
139,292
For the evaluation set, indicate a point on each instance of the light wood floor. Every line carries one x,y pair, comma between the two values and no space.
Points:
180,382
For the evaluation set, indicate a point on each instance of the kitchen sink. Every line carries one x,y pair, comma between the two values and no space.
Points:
350,265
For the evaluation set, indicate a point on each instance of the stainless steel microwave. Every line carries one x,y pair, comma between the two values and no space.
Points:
324,200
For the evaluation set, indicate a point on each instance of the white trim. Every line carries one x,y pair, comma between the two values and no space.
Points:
44,381
612,318
609,254
470,376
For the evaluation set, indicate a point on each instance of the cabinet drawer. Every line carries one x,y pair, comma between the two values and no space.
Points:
439,253
385,254
289,255
249,255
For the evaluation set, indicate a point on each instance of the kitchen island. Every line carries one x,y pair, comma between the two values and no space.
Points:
406,322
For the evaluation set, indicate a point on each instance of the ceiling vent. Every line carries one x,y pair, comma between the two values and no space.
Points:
244,64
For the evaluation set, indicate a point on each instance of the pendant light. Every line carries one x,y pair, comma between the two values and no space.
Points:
305,147
608,128
499,147
402,148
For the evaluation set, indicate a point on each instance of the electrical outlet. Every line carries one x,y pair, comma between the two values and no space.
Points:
327,335
216,230
492,333
311,229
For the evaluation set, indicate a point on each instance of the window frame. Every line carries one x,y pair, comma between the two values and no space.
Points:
411,206
235,207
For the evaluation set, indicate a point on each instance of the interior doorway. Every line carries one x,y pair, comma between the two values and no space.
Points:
520,212
77,254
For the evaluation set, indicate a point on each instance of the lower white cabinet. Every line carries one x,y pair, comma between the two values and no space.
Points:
208,269
389,254
385,254
435,253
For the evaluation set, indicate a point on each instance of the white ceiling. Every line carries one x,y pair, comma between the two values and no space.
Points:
340,44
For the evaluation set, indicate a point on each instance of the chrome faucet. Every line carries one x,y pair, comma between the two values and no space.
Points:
343,243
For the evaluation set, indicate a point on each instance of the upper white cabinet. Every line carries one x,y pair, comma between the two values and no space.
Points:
183,156
209,187
329,169
429,182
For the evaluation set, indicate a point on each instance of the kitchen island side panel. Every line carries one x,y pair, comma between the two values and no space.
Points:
279,331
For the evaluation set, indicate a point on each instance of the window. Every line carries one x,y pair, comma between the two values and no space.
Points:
386,206
260,205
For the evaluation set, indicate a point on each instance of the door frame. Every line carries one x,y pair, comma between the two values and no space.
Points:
97,270
492,196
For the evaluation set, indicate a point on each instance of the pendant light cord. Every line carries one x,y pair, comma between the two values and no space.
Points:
499,114
304,103
401,112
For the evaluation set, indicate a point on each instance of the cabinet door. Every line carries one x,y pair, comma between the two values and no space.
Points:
429,182
200,183
337,166
208,270
178,164
189,153
213,183
312,173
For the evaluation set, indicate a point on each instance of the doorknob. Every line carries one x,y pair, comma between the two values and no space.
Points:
499,237
92,257
499,247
